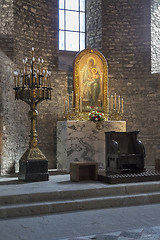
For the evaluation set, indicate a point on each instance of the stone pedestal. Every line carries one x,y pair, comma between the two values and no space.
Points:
83,141
33,166
33,170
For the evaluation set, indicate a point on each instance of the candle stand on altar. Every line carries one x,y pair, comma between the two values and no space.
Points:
115,108
32,88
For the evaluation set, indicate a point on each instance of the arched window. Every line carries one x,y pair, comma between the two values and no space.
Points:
71,25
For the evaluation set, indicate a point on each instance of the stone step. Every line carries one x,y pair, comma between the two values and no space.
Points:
108,190
48,207
79,199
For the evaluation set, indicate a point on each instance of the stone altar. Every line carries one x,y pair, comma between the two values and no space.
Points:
83,141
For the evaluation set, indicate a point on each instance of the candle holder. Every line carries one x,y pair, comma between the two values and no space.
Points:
32,88
115,115
115,108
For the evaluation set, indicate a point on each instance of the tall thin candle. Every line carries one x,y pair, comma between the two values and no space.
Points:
122,105
119,104
111,106
115,99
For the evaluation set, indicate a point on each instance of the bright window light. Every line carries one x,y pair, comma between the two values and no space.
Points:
71,25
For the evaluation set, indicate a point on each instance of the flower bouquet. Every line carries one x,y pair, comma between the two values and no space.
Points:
96,116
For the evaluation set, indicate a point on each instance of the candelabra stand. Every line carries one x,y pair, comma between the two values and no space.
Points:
32,88
116,108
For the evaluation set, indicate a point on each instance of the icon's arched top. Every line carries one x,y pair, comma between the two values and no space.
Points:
90,81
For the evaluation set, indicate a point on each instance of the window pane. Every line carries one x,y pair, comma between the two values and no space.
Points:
82,5
61,19
72,21
72,41
61,4
61,40
82,22
72,4
82,41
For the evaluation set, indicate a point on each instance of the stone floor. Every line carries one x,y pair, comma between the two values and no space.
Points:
152,233
123,223
127,223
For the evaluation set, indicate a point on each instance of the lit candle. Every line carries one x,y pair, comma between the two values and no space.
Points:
122,105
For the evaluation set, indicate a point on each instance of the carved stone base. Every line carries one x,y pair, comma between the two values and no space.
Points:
33,166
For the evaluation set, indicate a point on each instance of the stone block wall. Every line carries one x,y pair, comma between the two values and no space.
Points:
94,24
7,27
14,125
155,36
49,113
36,25
126,44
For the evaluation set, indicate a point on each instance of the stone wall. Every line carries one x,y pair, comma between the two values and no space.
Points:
49,113
36,25
7,27
14,125
94,24
155,36
126,44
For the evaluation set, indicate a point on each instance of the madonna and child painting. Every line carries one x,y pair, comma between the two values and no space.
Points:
89,81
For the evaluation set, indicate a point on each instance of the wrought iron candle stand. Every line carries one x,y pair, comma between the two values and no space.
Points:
33,88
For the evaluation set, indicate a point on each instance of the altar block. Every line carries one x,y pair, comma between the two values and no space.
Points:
83,141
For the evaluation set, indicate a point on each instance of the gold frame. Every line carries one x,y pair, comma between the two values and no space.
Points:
76,78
